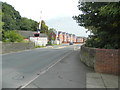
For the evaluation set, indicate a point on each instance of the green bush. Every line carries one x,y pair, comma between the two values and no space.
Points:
49,43
39,46
11,36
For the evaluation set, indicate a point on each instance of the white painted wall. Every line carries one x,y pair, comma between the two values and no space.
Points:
56,42
39,41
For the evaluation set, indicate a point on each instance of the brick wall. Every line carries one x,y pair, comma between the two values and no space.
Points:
107,61
104,61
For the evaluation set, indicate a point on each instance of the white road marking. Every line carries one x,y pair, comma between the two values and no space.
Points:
44,71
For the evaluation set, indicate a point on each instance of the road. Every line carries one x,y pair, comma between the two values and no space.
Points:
21,67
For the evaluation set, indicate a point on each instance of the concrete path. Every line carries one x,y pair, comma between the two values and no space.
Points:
98,80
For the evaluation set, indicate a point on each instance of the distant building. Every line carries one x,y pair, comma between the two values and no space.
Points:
53,35
54,38
64,37
80,39
67,37
40,39
71,37
28,34
60,36
74,38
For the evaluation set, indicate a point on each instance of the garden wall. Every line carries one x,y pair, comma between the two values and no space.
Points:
102,60
87,56
13,47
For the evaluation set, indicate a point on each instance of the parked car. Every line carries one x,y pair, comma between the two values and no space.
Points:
71,43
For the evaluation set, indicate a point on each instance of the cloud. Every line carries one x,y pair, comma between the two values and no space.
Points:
50,8
57,13
67,24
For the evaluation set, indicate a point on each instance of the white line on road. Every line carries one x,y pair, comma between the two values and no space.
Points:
44,71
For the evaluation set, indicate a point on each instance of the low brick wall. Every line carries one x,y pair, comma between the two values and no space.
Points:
102,60
107,61
87,56
13,47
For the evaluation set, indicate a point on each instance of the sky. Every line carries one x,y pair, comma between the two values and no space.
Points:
56,13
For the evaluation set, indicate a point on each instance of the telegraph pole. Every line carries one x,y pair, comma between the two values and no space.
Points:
39,27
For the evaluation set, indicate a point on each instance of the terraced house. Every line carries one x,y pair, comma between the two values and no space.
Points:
63,37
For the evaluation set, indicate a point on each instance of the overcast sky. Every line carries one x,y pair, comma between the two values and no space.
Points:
52,13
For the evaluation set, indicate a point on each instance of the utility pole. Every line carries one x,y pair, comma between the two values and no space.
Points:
39,27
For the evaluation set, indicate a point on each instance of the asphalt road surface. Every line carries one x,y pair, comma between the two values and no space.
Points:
21,67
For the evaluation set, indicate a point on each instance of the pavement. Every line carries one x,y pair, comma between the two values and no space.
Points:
99,80
71,73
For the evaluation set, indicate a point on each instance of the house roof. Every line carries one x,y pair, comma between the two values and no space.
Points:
43,35
74,35
55,32
59,32
70,34
63,32
66,33
27,34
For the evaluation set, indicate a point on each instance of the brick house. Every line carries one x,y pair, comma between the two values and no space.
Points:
64,37
71,37
74,38
53,35
60,36
80,39
67,38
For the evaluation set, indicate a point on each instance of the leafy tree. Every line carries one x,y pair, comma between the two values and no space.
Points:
102,19
49,33
11,36
1,23
11,17
44,27
28,24
13,20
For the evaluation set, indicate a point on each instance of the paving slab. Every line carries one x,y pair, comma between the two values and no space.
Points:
99,80
94,80
111,81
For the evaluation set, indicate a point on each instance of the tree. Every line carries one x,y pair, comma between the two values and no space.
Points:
11,36
44,27
28,24
50,32
102,19
1,24
11,17
13,20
